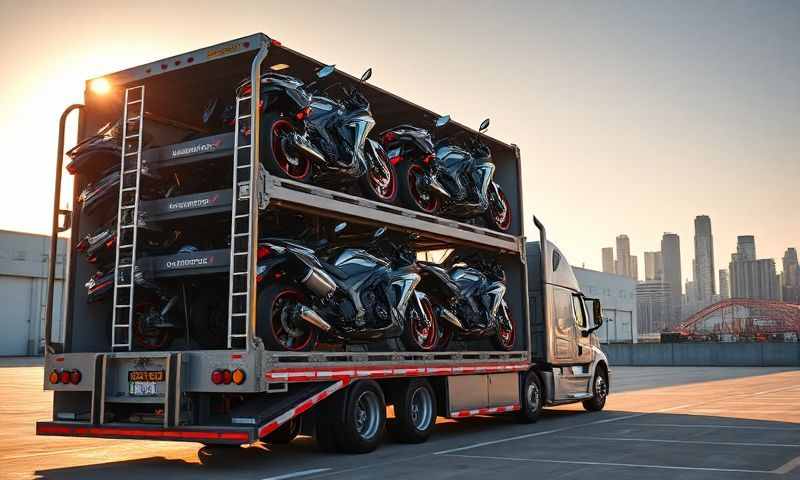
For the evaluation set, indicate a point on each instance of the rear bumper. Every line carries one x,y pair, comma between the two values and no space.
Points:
202,434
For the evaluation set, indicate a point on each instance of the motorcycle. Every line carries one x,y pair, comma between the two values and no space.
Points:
446,177
359,298
101,150
468,297
309,136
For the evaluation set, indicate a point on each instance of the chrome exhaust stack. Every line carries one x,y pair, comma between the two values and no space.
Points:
449,317
319,282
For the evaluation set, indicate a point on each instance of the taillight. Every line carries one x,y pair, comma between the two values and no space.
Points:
75,377
247,90
71,168
216,377
263,252
53,377
227,377
276,43
64,377
110,241
303,114
389,137
92,259
82,245
428,158
239,376
396,159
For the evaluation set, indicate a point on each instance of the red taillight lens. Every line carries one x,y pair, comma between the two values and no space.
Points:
396,160
227,377
75,377
64,377
53,377
247,90
263,252
71,169
389,137
216,377
82,245
276,43
428,159
110,241
303,114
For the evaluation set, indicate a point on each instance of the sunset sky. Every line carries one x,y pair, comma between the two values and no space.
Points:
632,116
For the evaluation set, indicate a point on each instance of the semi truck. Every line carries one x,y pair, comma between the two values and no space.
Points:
231,389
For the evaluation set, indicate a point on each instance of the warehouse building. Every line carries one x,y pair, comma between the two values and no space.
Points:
23,291
617,294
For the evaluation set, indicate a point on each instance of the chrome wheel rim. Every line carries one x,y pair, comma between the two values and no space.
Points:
421,408
532,397
600,388
367,415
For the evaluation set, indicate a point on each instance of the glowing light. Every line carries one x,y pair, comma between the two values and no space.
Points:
278,67
100,86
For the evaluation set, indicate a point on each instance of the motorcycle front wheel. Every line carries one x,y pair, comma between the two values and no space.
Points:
498,218
381,188
411,195
506,336
275,155
420,333
276,327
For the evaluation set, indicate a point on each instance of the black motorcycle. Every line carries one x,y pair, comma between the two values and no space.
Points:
468,297
453,177
309,136
358,298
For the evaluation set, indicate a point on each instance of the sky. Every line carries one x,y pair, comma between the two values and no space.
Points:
632,116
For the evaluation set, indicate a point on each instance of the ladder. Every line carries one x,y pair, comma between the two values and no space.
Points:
241,234
127,219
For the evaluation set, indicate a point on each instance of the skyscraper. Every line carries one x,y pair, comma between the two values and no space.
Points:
608,260
724,284
634,263
791,277
623,264
754,279
745,247
704,259
653,306
653,266
671,259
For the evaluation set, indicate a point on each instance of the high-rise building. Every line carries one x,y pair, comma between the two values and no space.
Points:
653,266
608,260
671,259
745,247
623,264
634,262
653,306
724,284
754,279
704,259
791,277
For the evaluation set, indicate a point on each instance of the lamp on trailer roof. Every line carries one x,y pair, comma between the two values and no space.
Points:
278,67
100,86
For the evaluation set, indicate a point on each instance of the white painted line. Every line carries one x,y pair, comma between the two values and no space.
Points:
788,466
732,427
298,474
612,464
692,442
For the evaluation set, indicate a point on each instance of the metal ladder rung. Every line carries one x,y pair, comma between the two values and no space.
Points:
131,153
244,146
241,99
129,245
242,215
123,285
129,305
239,294
135,135
132,170
127,207
248,115
241,234
238,314
137,117
126,265
238,335
241,253
125,325
134,102
127,226
128,189
240,273
243,166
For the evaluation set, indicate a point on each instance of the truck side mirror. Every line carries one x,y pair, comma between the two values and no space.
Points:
597,311
64,220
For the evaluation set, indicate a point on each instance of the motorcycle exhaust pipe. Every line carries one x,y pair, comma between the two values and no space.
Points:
300,144
318,282
450,317
314,318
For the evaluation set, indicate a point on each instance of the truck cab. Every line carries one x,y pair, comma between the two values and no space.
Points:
563,324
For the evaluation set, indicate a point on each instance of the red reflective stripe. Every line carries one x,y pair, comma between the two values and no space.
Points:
135,432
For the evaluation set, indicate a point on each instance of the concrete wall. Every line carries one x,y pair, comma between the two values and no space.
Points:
617,294
704,354
23,292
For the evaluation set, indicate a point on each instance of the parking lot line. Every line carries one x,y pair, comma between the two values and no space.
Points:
698,425
612,464
696,442
301,473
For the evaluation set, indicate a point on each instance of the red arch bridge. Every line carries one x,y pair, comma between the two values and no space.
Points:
744,317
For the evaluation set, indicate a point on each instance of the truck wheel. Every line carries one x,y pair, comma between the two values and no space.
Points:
364,423
285,433
276,330
276,156
599,391
415,411
531,398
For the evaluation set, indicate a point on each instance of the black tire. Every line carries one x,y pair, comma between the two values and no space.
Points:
505,339
414,411
275,159
271,329
599,391
371,187
497,220
407,190
285,433
417,336
363,425
531,397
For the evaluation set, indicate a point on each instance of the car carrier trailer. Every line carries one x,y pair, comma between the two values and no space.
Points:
240,392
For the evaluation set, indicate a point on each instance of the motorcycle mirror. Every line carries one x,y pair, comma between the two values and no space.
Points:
211,106
442,121
484,126
325,71
339,228
379,232
366,76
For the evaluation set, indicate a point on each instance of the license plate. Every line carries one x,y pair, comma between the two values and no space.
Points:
144,383
143,389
